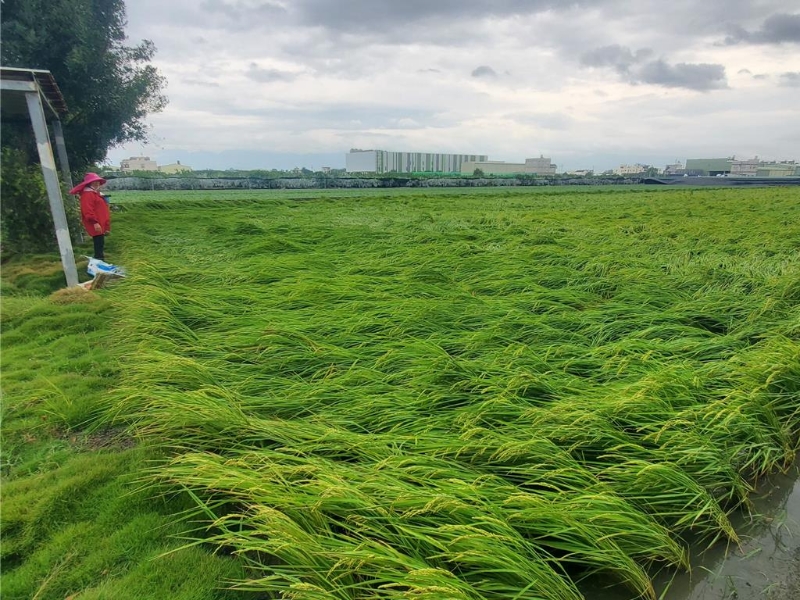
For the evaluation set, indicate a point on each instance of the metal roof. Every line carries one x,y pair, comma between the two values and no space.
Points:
15,80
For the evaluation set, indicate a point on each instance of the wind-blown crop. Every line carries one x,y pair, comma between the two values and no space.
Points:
489,395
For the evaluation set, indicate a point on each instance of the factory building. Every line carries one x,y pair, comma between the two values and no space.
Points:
708,166
531,166
384,161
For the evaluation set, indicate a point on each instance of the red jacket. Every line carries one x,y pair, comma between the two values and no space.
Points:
94,210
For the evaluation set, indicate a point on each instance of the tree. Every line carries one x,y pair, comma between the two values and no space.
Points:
109,87
651,171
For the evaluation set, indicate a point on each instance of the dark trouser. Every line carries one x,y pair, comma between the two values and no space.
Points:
99,246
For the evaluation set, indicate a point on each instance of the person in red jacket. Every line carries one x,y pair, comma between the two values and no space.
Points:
95,215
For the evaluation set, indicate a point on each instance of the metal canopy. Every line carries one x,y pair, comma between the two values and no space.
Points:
34,92
14,80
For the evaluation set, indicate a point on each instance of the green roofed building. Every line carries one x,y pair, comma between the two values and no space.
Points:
708,166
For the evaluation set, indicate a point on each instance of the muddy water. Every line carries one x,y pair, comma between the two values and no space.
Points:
765,567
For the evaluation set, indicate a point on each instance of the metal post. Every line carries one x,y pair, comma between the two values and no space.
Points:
51,183
63,162
61,150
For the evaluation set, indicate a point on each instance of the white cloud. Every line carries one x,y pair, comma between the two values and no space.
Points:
597,80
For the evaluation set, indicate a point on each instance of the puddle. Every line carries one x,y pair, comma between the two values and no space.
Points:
765,567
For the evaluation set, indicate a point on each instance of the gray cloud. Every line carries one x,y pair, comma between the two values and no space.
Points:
621,58
256,73
634,67
484,71
777,29
368,15
239,15
790,79
344,117
700,77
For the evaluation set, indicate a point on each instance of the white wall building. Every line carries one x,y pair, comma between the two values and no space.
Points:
631,169
745,168
531,166
138,163
384,161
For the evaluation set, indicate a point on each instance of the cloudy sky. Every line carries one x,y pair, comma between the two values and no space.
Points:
589,83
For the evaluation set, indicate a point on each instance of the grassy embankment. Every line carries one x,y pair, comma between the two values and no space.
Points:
75,522
461,394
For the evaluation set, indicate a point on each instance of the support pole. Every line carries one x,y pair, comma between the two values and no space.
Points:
53,189
63,162
61,150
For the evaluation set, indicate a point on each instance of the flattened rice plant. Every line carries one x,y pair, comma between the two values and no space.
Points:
463,395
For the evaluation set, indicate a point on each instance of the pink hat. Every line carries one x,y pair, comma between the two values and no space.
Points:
90,178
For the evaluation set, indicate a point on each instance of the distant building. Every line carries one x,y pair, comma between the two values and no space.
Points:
384,161
708,166
531,166
138,163
580,172
745,168
675,168
636,169
173,168
781,169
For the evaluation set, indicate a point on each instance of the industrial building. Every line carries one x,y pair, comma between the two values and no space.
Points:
740,168
745,168
781,169
384,161
708,166
531,166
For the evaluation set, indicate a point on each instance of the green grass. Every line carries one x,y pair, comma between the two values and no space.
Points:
432,393
75,519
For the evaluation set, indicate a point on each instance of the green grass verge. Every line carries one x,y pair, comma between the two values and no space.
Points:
76,522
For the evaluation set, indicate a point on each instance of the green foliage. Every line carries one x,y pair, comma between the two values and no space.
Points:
27,225
109,87
27,222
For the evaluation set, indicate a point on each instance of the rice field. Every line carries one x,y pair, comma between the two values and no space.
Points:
461,394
